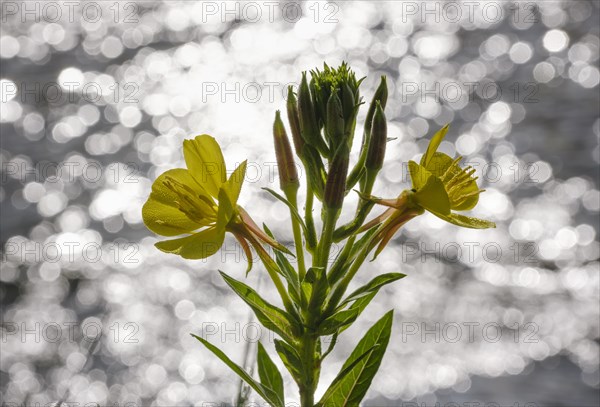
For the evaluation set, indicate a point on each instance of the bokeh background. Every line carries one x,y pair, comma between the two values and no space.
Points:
97,100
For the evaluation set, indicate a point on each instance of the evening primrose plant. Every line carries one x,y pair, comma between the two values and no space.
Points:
196,206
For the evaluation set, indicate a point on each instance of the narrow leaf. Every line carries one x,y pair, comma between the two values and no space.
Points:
290,359
341,320
357,373
271,317
268,372
372,286
293,210
336,400
266,393
359,306
285,268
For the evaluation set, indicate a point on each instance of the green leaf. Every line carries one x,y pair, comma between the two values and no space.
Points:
293,210
266,393
332,324
357,373
290,359
286,269
268,372
317,279
347,255
360,305
372,286
360,244
337,400
271,317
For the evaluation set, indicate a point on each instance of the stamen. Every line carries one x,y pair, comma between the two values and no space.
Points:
463,198
462,184
447,174
465,174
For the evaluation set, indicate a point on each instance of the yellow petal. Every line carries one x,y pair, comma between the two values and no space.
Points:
435,142
197,246
161,213
439,163
204,159
226,209
432,196
467,221
418,175
233,186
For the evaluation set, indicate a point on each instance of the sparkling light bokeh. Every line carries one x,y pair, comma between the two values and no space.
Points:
92,111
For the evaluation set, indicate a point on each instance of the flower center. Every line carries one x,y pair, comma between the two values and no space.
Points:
196,207
460,184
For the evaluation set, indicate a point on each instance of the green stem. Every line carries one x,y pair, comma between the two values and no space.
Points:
331,216
337,268
362,210
311,237
292,196
339,291
310,370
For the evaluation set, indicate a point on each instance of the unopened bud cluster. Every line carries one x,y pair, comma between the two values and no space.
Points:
322,118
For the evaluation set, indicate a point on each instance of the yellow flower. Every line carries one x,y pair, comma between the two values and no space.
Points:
201,202
440,186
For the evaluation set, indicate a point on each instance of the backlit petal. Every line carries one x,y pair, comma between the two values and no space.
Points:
226,209
233,186
467,221
204,159
161,213
197,246
418,175
432,196
439,163
434,143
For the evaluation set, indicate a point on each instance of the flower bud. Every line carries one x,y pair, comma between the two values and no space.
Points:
378,141
341,81
315,170
308,122
292,111
348,103
335,187
380,96
288,175
334,127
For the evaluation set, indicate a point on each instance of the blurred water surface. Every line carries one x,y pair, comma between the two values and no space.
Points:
95,107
